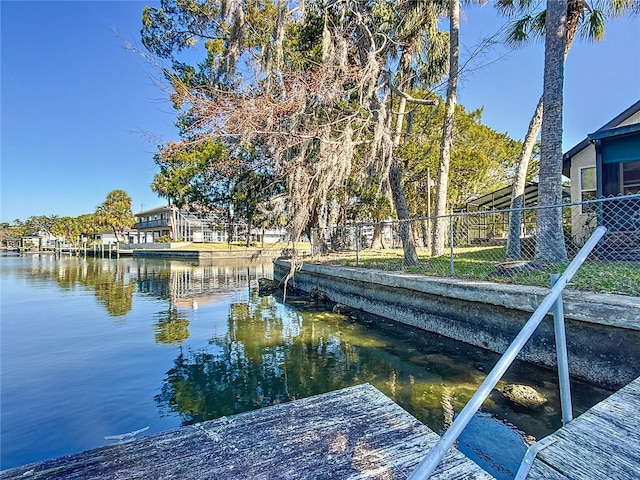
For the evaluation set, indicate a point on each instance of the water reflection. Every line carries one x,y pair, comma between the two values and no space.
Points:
191,284
268,355
218,348
172,327
184,284
187,286
272,353
110,281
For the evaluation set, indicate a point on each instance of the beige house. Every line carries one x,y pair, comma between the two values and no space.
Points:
607,164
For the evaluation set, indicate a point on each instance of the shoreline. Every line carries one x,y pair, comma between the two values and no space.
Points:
603,330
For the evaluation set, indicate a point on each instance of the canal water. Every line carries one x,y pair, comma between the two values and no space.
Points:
100,347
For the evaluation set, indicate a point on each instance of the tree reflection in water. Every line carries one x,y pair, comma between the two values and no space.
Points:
272,353
267,356
111,281
172,326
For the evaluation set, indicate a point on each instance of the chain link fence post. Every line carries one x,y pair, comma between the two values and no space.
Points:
357,245
451,265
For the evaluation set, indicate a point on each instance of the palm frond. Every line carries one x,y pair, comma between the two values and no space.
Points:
511,8
618,8
592,26
435,65
519,31
537,24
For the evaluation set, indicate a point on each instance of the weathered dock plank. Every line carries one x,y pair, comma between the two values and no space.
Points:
354,433
602,443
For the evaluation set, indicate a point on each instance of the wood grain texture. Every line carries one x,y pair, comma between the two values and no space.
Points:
355,433
542,470
603,443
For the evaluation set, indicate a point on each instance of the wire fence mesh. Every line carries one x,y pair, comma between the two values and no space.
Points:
479,244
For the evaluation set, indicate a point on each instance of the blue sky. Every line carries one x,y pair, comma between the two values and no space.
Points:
81,115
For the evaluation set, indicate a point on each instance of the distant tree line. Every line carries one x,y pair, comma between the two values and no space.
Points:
114,215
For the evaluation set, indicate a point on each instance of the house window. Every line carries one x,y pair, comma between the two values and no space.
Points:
631,177
588,188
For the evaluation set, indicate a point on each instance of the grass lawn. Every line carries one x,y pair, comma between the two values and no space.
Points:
480,263
469,262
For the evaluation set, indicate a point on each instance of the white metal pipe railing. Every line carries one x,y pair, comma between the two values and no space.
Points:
428,465
562,356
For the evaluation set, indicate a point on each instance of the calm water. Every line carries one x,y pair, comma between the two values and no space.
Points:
92,348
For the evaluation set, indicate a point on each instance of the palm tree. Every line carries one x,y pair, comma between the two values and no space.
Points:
439,231
550,236
115,213
582,18
166,188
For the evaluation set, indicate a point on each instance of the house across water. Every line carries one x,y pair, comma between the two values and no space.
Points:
162,222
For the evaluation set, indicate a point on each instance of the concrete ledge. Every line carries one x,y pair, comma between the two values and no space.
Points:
603,330
154,246
203,254
612,310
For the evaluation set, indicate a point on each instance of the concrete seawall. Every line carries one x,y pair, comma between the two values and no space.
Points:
204,254
603,331
251,254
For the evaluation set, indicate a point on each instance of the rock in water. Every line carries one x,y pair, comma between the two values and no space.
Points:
341,308
319,295
267,286
524,395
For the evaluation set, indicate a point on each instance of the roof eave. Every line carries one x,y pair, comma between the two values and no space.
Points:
611,124
614,132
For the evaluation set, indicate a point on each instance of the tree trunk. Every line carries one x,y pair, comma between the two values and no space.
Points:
550,244
440,223
517,193
115,233
395,182
174,223
519,182
397,192
376,241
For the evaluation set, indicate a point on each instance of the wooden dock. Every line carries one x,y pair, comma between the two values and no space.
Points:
602,443
354,433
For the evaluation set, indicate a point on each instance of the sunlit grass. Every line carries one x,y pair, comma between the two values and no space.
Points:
480,263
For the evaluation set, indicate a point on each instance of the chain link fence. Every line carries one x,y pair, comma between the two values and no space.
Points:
479,244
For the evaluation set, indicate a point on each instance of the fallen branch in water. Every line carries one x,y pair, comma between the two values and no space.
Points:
126,436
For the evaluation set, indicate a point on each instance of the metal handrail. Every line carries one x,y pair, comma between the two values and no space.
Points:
428,465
